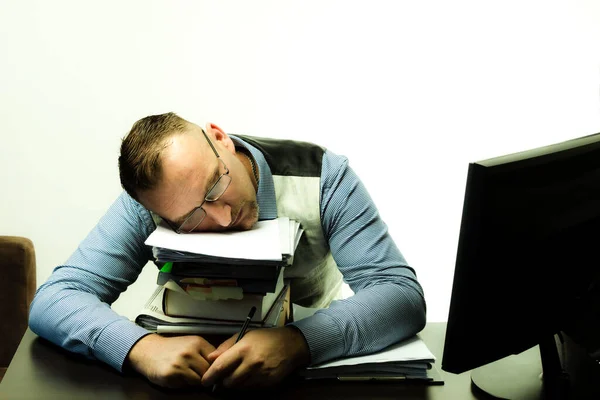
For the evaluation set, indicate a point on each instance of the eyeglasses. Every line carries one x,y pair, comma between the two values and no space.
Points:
198,214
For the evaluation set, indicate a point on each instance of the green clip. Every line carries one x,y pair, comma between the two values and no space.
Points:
167,267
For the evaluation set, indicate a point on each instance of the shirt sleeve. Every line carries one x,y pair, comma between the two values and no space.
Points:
388,304
72,308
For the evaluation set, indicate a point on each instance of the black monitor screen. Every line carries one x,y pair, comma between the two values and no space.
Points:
528,251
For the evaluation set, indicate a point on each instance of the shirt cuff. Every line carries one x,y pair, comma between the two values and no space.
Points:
116,340
324,338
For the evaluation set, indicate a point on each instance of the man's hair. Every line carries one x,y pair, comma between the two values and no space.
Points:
139,161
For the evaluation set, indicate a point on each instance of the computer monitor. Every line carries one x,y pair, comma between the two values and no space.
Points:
528,257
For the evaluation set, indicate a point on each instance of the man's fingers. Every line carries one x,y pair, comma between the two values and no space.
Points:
192,378
182,378
223,347
240,378
199,365
221,368
205,348
227,344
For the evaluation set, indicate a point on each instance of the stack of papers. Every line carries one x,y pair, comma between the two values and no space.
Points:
152,318
268,242
229,303
214,278
409,359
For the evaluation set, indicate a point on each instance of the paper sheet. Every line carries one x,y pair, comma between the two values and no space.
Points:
262,242
411,349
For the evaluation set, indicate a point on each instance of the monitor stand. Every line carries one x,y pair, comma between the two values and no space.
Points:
520,377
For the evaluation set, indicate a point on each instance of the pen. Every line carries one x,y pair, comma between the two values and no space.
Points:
242,332
370,378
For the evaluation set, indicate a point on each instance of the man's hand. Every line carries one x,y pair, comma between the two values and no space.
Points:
263,357
171,361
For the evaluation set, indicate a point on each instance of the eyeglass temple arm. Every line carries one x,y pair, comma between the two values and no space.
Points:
210,143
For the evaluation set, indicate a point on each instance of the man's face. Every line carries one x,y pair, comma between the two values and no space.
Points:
190,168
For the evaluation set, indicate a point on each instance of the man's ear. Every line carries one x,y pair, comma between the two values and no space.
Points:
218,135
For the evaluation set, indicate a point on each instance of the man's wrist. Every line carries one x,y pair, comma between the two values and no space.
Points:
300,346
135,358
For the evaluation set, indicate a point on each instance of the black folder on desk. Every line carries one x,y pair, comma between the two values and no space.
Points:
407,361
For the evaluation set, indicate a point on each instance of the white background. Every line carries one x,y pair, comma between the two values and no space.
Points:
410,91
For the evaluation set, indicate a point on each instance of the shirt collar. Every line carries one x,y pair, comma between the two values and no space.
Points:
267,206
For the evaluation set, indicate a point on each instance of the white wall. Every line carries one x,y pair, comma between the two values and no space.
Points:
410,91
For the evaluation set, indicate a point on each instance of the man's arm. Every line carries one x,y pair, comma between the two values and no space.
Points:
72,309
388,304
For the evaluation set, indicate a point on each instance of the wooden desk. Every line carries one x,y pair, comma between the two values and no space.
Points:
41,370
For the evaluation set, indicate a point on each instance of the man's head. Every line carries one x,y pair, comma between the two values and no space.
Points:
169,166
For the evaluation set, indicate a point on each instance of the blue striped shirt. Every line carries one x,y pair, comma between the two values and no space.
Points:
72,308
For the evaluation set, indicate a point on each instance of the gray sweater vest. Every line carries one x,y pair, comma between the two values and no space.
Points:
296,168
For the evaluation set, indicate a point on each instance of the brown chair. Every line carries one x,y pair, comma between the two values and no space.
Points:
17,287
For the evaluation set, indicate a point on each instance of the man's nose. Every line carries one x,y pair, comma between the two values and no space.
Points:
219,212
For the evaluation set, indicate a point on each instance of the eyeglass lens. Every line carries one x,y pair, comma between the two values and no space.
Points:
213,195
